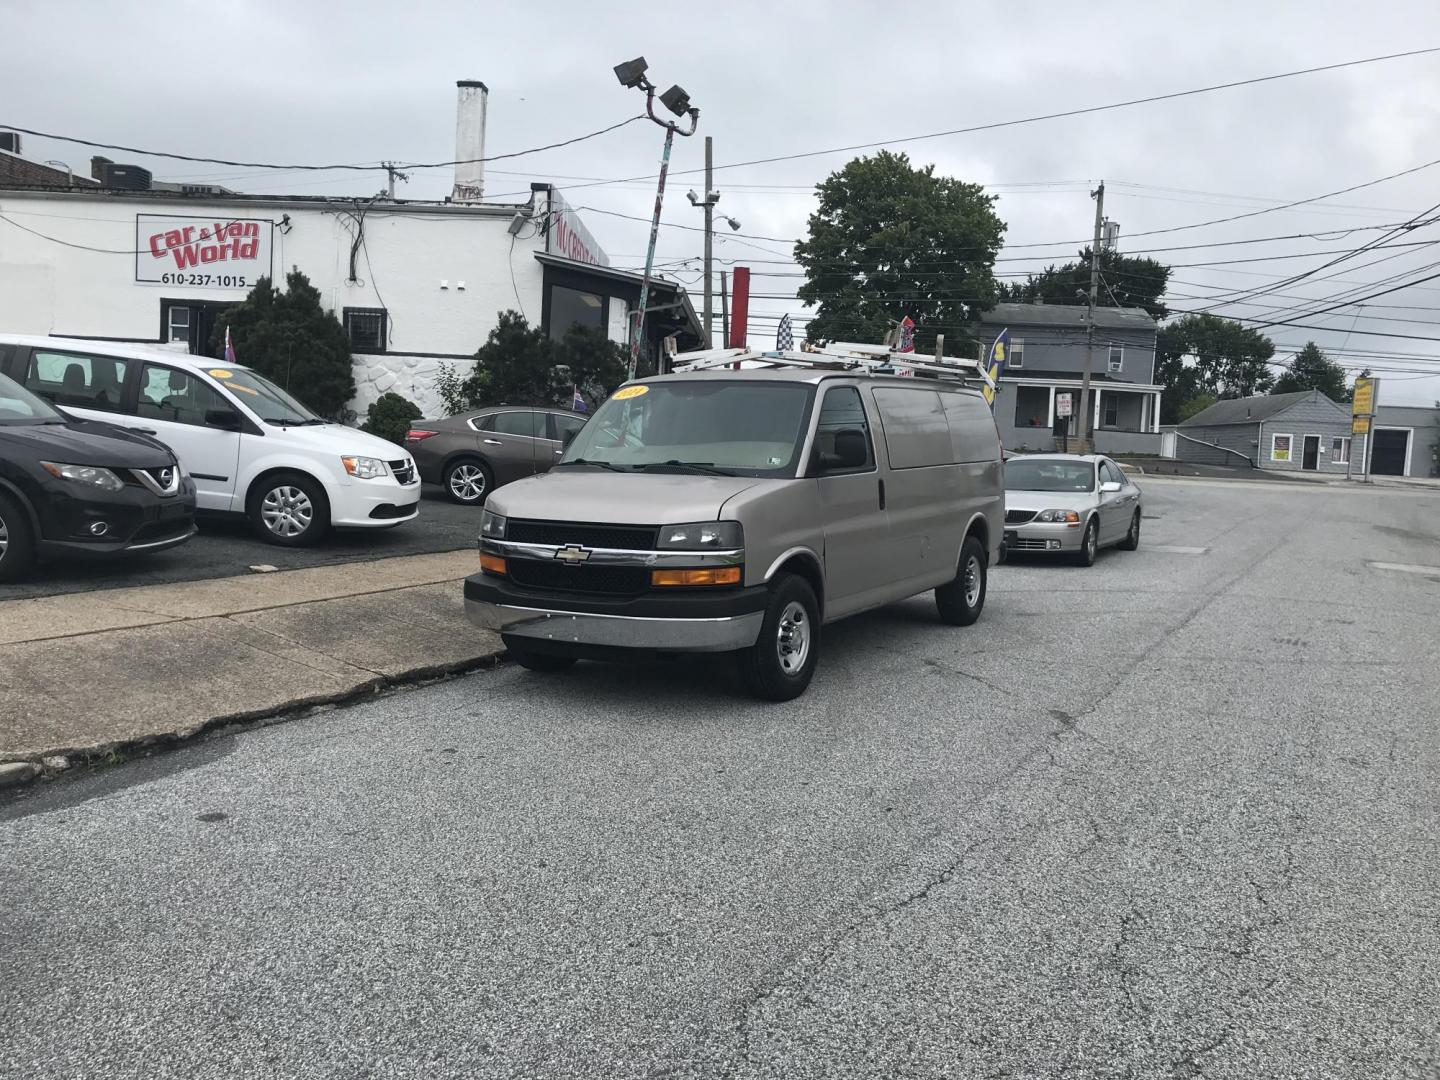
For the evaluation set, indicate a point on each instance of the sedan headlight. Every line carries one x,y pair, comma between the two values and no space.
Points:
1068,517
92,475
702,535
365,468
492,525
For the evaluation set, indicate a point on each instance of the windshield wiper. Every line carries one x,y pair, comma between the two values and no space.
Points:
587,461
285,421
697,466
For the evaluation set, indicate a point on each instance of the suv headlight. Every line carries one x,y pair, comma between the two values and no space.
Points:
1069,517
85,474
702,535
365,468
492,526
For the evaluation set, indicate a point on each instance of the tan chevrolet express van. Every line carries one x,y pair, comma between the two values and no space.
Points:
719,510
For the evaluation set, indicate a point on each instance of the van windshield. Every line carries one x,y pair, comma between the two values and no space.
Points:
739,428
1048,474
263,397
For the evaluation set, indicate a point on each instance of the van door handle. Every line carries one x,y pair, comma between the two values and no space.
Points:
492,442
882,494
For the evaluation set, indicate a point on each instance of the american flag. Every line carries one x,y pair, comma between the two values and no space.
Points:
907,335
577,403
784,335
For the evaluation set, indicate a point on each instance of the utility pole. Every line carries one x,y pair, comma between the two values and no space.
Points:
1085,426
394,174
709,244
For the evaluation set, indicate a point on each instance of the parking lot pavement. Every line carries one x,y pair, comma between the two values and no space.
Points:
1170,816
227,546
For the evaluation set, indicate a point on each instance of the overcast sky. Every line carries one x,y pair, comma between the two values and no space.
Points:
364,81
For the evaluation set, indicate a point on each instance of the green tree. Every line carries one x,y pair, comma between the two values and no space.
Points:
1313,370
1125,281
520,365
390,416
1228,360
1195,406
1180,378
890,240
290,338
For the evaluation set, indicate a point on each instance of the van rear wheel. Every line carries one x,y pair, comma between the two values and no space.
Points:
779,666
960,602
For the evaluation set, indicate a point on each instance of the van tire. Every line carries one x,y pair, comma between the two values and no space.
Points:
300,498
961,601
19,556
534,661
770,669
478,472
1089,544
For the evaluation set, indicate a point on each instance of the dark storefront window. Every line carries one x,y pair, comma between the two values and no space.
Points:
571,306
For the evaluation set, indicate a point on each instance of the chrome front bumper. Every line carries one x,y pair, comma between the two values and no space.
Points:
723,634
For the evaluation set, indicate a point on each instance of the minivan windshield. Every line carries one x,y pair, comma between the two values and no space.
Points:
20,406
264,398
739,427
1048,474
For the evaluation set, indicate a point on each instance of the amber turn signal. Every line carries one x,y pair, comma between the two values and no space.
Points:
492,564
723,575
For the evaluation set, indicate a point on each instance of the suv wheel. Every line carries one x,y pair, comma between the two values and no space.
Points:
961,601
467,481
779,666
17,549
289,509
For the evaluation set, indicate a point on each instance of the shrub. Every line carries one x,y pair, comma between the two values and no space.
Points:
451,390
390,417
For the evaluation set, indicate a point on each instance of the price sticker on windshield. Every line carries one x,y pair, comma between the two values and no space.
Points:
221,373
627,392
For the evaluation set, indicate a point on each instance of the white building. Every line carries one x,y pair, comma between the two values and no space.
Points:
415,284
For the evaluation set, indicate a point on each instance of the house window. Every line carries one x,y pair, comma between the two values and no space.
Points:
1112,411
571,307
179,324
1117,358
367,329
1340,451
1016,359
1280,447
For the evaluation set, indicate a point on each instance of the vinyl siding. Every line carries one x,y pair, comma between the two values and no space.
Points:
1317,416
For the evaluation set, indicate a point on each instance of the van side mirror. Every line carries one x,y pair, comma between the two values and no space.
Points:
225,419
850,452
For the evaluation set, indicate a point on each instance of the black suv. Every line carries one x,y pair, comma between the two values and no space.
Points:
83,488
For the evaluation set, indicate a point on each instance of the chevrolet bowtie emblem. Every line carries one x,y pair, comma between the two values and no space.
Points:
572,554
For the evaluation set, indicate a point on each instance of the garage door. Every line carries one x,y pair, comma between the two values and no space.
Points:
1391,447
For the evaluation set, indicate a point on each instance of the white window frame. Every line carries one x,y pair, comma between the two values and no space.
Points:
1016,356
1112,366
1289,458
1339,450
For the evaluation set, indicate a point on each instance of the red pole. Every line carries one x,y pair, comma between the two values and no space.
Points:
740,307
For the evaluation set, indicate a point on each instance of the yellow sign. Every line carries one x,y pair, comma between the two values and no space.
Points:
625,393
1360,425
1363,402
221,373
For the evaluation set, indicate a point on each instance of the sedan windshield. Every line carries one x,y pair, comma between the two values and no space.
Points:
702,426
1048,474
265,399
20,406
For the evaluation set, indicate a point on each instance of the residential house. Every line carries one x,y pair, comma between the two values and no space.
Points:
1049,346
1304,431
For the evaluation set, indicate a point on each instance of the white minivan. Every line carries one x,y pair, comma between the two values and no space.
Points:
250,446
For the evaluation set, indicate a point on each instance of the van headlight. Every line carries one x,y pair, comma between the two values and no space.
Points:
702,535
492,525
365,468
1064,517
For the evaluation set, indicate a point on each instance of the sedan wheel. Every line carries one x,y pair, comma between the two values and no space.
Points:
467,482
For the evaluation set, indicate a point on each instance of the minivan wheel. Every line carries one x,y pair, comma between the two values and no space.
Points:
1132,538
779,666
467,481
289,509
534,661
17,548
961,601
1089,544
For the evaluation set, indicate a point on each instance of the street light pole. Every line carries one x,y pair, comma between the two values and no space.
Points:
709,244
677,101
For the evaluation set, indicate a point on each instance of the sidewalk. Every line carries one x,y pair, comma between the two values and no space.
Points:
83,675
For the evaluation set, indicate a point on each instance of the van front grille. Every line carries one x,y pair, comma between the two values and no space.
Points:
560,533
607,580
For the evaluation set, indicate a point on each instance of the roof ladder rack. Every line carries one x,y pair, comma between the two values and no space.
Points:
839,356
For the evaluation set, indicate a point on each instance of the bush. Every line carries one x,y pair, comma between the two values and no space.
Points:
450,388
390,418
520,365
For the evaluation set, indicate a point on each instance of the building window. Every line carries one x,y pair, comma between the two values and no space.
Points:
571,307
1117,358
367,329
1112,411
1340,451
179,324
1280,447
1016,358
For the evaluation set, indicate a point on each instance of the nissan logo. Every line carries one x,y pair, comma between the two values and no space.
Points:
573,554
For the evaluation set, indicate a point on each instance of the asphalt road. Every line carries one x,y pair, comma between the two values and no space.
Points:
226,547
1172,816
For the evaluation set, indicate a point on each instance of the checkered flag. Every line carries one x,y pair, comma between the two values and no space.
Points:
784,336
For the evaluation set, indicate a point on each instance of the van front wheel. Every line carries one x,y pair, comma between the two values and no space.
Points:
779,666
961,601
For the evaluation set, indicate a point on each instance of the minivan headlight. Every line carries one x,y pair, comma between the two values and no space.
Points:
1069,517
93,475
492,525
364,468
702,535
